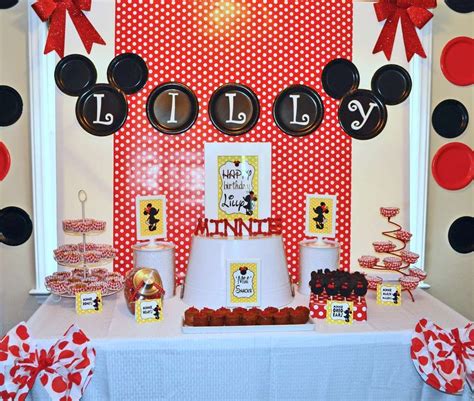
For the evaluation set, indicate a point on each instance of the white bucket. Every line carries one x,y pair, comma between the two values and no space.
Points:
159,256
316,255
207,278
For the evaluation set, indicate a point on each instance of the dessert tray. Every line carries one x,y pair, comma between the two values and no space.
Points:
85,259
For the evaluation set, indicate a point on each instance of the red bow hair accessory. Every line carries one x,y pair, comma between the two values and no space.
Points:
54,11
64,370
443,358
412,14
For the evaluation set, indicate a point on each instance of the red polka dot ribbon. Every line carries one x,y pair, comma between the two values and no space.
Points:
412,14
443,358
64,370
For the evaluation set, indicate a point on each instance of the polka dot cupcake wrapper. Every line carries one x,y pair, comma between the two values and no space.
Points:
392,262
403,235
114,285
384,246
409,282
415,272
368,261
409,257
373,281
389,211
83,226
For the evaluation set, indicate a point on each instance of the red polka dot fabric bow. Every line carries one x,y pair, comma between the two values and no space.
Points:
64,370
412,14
54,11
443,358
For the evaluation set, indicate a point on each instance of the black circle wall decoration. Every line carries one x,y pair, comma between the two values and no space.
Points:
128,72
15,226
102,110
4,4
234,109
172,108
11,106
461,234
362,114
450,118
461,6
392,84
340,77
298,110
75,74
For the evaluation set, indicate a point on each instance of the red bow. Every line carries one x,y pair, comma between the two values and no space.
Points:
55,12
412,13
64,370
443,358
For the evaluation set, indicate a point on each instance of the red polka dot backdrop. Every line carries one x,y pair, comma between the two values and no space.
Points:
265,45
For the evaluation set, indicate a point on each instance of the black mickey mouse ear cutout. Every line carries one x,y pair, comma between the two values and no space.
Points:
460,6
461,234
450,118
392,84
11,106
15,226
4,4
128,72
102,110
75,74
340,77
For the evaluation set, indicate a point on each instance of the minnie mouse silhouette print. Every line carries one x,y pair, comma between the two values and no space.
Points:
363,113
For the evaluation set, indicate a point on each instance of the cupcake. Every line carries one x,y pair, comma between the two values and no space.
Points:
208,311
232,318
77,287
281,317
249,318
265,318
189,316
392,262
240,311
217,318
271,309
414,271
300,315
201,319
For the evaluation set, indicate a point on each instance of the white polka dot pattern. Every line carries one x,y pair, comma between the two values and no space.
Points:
264,44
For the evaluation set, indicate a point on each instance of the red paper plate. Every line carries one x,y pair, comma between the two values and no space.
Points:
453,166
5,161
457,61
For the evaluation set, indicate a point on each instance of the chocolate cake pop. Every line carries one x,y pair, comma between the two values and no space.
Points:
361,287
317,284
346,287
332,287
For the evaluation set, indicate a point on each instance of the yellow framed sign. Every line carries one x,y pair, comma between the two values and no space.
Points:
243,282
339,312
88,302
389,294
149,311
151,217
321,215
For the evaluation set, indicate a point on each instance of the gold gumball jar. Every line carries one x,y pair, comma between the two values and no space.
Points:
142,283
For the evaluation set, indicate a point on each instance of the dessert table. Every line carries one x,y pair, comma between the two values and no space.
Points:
363,362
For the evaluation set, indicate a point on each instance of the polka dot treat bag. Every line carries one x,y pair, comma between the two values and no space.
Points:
266,45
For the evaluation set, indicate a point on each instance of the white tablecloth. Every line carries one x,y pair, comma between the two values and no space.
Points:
364,362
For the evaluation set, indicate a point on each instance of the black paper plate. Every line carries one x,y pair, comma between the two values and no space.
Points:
245,101
450,118
113,110
340,77
310,110
75,74
15,226
128,72
11,106
461,234
159,108
7,3
351,119
392,84
461,6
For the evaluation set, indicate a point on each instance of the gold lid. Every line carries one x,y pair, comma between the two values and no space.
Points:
144,280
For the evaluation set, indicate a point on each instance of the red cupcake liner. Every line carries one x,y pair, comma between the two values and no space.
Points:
384,246
389,211
368,261
392,262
